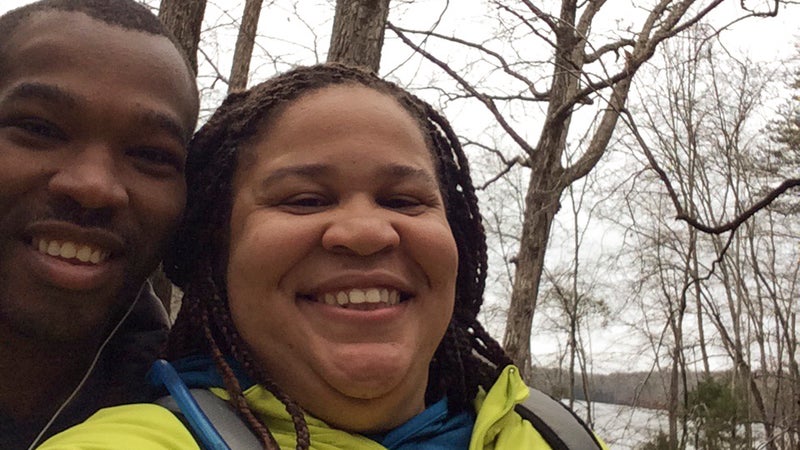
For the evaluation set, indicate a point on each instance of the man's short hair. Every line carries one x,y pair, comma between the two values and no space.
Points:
126,14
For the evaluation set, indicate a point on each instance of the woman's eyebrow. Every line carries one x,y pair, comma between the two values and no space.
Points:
296,171
390,172
409,173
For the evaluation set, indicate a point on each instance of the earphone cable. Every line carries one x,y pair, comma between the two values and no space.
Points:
88,371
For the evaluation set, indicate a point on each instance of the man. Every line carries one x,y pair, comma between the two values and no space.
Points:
97,104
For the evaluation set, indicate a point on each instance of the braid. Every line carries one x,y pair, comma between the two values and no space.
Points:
235,390
467,357
294,410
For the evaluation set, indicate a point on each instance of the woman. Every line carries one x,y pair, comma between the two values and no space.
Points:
333,262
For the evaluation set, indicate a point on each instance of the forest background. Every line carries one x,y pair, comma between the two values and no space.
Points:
637,164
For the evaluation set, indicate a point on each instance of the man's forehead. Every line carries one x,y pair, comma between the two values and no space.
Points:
128,14
38,23
58,27
44,21
83,56
56,41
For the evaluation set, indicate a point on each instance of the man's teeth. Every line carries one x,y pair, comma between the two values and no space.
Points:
71,250
360,296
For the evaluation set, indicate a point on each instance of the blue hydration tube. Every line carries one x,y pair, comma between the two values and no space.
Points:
162,373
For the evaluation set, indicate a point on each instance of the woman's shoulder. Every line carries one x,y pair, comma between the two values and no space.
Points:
512,415
143,426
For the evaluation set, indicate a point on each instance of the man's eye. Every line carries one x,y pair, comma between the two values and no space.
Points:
35,128
156,159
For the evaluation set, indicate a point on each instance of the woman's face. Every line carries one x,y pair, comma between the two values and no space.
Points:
342,266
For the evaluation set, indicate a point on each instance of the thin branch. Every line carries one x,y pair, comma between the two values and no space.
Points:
208,59
544,17
509,165
434,26
503,63
464,84
527,23
681,212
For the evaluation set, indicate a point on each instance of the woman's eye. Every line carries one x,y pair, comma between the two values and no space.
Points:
305,203
403,203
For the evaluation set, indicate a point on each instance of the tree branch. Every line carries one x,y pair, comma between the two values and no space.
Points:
503,63
681,212
466,86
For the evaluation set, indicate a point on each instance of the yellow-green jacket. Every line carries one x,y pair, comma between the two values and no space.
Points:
152,427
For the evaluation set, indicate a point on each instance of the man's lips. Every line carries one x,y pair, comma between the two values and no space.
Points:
70,241
71,257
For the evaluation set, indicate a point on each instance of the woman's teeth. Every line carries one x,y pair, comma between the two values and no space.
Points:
371,296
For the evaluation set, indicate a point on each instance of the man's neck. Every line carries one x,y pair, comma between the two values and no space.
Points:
38,376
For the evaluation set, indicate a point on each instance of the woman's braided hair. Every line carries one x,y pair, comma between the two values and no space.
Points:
466,358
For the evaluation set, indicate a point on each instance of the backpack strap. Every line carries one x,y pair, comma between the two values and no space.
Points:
236,434
558,425
184,403
216,425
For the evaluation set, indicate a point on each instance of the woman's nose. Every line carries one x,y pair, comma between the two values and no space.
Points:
361,228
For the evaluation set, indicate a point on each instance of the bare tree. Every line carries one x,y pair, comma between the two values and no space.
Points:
586,69
240,69
184,19
697,111
358,30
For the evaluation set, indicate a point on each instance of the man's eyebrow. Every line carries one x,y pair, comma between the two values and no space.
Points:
156,119
55,95
41,91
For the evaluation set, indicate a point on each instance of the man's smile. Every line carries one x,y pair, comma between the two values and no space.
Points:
82,252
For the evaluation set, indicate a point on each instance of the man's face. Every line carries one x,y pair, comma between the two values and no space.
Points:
93,125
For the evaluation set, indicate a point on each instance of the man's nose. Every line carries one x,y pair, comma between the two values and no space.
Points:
361,228
90,177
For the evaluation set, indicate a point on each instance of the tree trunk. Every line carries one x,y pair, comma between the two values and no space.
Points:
240,70
673,396
184,19
358,29
540,209
542,202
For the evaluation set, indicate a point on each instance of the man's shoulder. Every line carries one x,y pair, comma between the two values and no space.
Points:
139,426
18,435
140,338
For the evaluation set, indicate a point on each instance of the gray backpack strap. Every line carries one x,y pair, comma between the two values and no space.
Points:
233,429
557,424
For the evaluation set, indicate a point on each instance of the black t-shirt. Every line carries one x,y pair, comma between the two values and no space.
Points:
118,378
18,435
